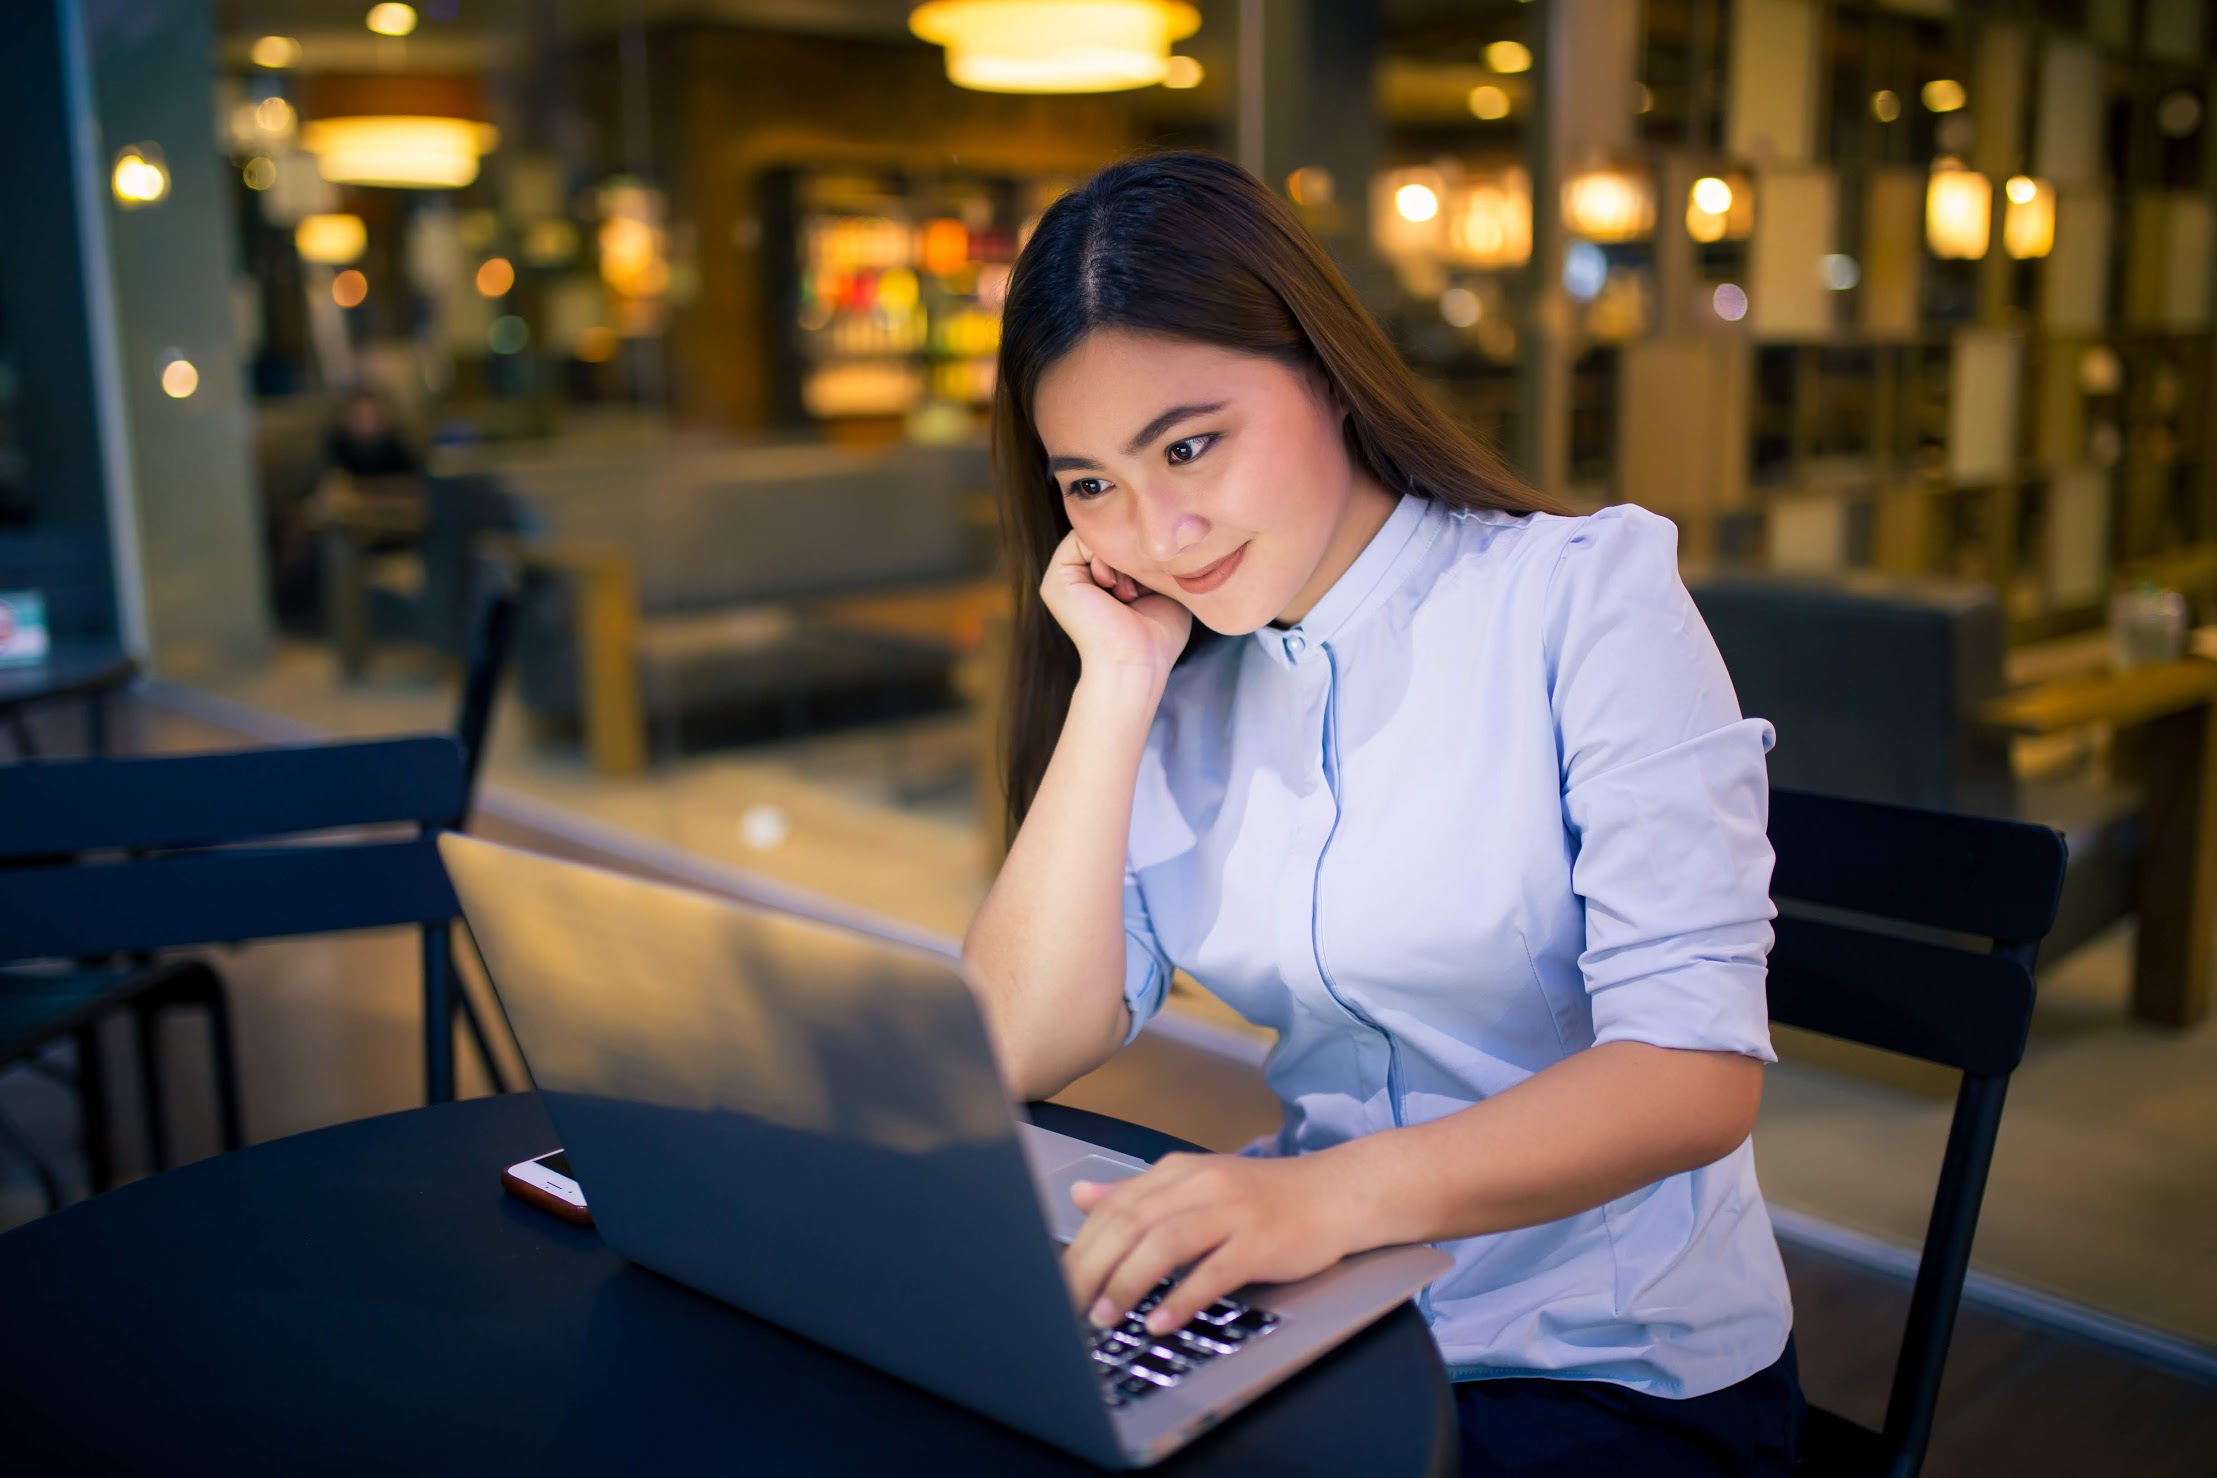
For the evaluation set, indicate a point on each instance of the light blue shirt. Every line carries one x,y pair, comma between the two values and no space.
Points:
1491,803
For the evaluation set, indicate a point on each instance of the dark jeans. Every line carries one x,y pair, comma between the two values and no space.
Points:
1572,1428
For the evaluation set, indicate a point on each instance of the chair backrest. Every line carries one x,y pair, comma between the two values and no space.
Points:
1916,932
1873,681
70,567
104,856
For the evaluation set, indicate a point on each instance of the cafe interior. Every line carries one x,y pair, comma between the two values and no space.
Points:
606,383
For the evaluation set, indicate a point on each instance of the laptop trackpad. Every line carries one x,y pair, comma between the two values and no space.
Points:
1063,1218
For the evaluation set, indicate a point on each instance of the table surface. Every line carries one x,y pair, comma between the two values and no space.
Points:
72,668
2105,697
949,617
366,1299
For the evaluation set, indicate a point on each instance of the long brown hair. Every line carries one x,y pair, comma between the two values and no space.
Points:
1192,246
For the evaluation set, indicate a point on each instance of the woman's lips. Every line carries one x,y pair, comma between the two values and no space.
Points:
1215,575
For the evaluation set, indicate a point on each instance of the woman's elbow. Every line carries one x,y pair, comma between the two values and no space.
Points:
1732,1100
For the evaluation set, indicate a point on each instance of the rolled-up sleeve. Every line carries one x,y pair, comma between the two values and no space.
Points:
1146,967
1665,795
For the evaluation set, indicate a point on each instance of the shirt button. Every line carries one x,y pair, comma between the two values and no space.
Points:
1295,644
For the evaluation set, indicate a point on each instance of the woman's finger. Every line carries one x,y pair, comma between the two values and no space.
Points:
1205,1282
1167,1246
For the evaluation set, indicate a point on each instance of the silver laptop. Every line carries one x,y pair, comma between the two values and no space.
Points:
806,1122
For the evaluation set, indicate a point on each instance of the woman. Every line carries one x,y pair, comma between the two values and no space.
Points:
1446,788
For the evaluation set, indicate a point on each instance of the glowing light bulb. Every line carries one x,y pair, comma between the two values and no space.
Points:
1416,202
391,19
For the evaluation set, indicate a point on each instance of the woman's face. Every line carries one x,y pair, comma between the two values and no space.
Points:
1216,478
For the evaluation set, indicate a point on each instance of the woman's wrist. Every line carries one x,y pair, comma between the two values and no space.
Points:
1119,685
1372,1206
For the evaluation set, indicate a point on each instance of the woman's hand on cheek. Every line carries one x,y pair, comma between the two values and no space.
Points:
1229,1219
1112,619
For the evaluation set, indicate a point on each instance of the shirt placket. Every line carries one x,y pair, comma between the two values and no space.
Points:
1300,921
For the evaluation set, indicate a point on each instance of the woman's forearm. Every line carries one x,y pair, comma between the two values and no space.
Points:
1046,950
1598,1125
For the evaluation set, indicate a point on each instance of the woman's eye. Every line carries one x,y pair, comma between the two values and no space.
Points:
1185,451
1086,487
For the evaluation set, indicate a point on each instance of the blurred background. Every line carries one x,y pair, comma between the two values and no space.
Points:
316,316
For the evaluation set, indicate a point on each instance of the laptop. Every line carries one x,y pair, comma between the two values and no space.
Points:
805,1121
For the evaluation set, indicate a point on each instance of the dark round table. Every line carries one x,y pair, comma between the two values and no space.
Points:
366,1299
73,668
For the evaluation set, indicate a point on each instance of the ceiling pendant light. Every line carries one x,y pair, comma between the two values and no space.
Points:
1055,45
400,132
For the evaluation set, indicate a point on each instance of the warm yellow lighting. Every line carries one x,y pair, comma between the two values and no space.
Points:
1943,95
274,115
1489,222
632,241
179,378
1311,185
140,176
1958,212
274,52
1418,203
391,19
2028,221
330,240
1509,56
260,172
1181,72
1608,205
1885,106
596,343
1643,98
1406,222
549,243
1488,102
423,153
349,288
495,276
1718,208
1460,307
1055,45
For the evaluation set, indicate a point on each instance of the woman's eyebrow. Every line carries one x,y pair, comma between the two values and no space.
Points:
1147,433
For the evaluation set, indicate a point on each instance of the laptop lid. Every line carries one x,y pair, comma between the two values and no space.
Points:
799,1120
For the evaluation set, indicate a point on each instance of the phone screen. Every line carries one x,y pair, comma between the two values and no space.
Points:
558,1162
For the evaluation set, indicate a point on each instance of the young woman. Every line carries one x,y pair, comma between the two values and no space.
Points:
1449,790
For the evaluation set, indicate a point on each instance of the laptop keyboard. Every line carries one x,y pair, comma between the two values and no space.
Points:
1134,1364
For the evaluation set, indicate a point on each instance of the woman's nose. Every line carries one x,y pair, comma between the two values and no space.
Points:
1168,527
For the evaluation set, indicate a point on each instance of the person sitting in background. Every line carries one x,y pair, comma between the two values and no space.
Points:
365,443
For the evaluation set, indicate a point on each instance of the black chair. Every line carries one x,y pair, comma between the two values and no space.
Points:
1914,932
172,851
37,1007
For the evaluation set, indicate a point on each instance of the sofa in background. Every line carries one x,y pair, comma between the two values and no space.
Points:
1876,684
676,583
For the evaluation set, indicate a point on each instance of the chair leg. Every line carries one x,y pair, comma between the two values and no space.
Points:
92,1108
438,1015
146,1016
50,1184
467,1009
229,1121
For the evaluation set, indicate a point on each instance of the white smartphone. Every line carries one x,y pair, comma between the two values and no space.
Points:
547,1184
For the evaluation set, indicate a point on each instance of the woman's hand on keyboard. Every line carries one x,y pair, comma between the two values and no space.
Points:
1230,1220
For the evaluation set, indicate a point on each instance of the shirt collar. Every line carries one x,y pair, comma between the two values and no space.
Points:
1360,589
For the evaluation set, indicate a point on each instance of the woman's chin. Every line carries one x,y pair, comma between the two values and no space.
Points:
1227,617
